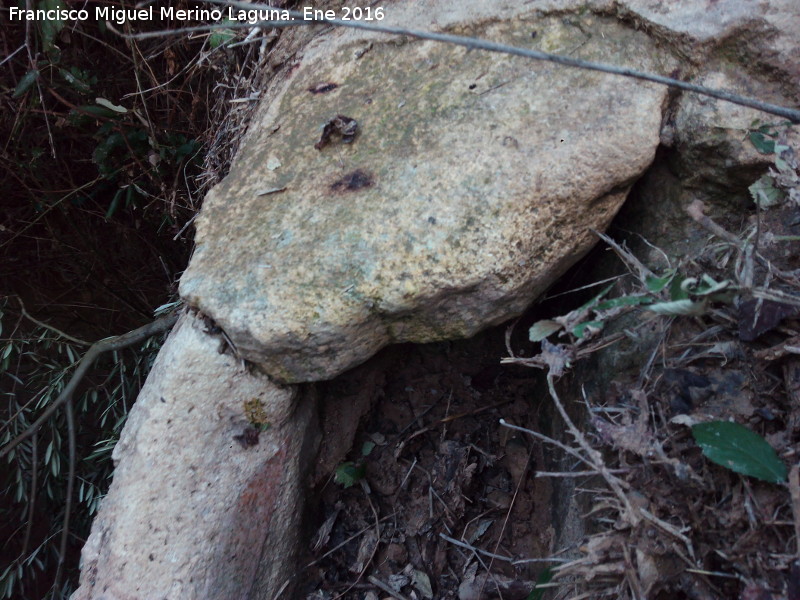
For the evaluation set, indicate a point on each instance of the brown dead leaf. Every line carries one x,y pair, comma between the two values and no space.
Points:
324,532
631,436
556,357
366,549
758,316
452,475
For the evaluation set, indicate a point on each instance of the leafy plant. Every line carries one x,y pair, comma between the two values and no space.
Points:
102,169
35,365
131,159
348,474
121,146
49,28
782,182
668,294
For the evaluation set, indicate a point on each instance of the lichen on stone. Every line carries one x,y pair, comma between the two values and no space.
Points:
255,413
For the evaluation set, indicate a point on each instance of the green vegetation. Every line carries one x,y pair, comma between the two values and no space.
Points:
668,294
712,337
35,367
348,474
107,147
735,447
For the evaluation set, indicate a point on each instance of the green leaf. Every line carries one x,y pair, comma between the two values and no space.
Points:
623,301
762,143
596,299
347,474
708,286
734,446
77,83
25,83
6,572
764,192
130,196
185,150
103,152
580,330
112,208
110,105
97,111
367,448
656,284
50,27
537,593
541,329
678,307
55,465
221,37
676,291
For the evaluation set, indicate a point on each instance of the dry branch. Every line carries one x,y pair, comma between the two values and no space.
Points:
65,398
109,344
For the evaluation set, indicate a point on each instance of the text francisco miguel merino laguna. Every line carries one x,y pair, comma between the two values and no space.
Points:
121,15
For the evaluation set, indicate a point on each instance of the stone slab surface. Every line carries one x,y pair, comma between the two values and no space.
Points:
196,510
471,185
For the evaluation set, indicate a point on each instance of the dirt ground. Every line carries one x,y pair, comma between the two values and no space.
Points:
446,502
443,477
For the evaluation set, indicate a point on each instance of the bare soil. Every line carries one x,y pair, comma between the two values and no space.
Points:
441,468
454,505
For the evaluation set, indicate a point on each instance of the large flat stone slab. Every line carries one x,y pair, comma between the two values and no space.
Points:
471,185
